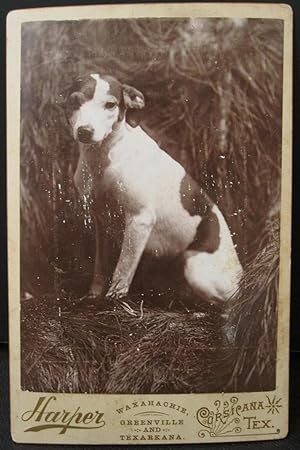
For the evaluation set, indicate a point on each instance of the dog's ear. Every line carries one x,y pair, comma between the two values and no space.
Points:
133,99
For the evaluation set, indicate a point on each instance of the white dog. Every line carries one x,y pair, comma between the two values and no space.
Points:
165,212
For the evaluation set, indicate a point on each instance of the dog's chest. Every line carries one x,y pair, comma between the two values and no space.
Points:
89,174
150,179
135,177
174,229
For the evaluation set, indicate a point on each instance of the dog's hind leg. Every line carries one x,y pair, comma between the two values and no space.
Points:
210,276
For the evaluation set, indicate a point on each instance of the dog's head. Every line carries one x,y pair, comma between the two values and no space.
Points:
96,103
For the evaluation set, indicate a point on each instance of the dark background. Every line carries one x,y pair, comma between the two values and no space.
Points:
292,442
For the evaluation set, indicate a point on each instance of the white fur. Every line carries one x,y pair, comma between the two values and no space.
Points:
102,88
151,178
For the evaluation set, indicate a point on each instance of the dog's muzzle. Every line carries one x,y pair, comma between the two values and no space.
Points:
85,134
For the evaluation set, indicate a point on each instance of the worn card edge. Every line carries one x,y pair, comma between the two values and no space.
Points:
14,21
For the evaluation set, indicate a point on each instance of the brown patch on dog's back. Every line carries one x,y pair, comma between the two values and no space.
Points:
207,238
197,202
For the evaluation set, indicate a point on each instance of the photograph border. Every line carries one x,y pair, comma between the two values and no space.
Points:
118,409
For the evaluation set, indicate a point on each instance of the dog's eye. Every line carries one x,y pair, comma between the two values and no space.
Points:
110,105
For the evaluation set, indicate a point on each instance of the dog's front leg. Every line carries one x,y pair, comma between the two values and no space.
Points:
137,231
99,278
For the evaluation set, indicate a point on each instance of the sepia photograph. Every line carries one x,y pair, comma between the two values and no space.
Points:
150,171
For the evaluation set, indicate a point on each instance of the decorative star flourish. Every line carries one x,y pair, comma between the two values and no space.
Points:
273,405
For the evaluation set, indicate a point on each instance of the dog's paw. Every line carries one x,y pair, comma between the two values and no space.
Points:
117,292
118,295
113,295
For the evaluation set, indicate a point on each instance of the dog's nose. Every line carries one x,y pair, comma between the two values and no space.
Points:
85,134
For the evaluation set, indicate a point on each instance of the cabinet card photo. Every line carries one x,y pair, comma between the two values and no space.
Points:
149,217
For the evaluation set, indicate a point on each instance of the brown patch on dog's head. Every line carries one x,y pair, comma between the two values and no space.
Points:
94,103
